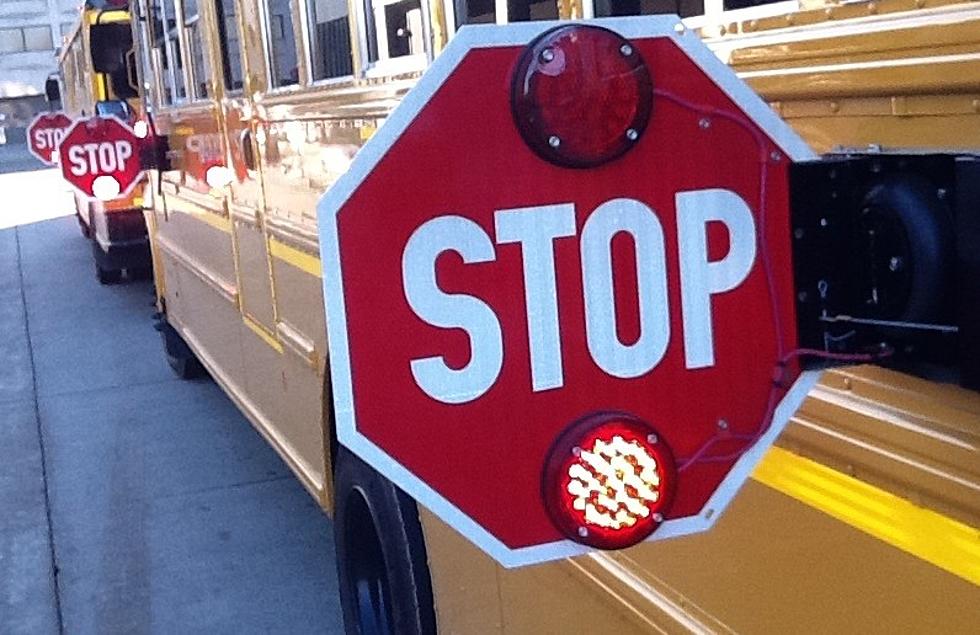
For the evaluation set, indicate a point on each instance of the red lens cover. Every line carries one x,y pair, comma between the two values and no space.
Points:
608,481
581,96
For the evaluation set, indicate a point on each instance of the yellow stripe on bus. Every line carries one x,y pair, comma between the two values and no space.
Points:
214,220
299,259
259,330
946,543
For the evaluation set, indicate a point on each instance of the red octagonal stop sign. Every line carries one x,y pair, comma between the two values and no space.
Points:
551,357
100,157
45,133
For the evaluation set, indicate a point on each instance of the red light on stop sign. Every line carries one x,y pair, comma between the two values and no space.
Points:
608,480
581,96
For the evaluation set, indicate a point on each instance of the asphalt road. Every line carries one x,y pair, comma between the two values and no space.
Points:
130,501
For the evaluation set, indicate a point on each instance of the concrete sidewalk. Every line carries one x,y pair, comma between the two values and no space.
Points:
131,502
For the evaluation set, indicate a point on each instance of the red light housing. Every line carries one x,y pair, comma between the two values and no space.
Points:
608,481
581,96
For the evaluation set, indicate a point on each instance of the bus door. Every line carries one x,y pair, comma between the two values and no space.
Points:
241,56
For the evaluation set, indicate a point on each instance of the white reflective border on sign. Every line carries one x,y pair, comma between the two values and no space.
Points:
492,36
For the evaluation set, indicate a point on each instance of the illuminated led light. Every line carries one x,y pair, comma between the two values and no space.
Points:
218,176
141,129
105,187
608,481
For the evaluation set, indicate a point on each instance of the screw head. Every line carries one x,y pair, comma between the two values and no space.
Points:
547,55
626,50
632,134
704,123
582,531
576,451
775,156
658,517
802,296
679,28
823,222
652,438
896,263
722,424
554,141
798,233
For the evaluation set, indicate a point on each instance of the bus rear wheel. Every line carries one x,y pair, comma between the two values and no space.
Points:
382,567
107,276
180,357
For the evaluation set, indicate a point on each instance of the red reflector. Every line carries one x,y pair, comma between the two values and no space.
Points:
581,96
608,481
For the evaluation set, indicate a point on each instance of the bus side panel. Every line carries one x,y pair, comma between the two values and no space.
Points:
193,232
306,140
904,82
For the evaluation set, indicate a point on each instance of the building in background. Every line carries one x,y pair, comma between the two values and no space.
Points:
31,32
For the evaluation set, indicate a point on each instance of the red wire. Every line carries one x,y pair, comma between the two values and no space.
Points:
783,359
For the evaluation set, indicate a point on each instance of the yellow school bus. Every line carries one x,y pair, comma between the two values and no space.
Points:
864,516
99,75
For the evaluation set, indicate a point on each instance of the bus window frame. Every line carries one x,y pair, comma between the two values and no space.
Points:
265,33
718,14
183,35
501,14
139,13
175,101
306,36
392,66
715,12
219,17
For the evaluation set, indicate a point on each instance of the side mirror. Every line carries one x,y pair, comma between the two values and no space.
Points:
52,91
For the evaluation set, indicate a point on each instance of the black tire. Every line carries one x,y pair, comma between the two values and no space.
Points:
382,566
180,357
107,276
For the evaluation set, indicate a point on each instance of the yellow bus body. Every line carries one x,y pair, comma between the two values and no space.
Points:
865,516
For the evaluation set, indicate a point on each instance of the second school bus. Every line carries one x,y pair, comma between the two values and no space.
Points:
97,65
863,518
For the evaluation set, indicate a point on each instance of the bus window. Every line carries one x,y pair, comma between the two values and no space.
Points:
110,46
113,108
394,28
230,39
281,42
484,11
475,12
200,71
744,4
330,47
167,52
525,10
683,8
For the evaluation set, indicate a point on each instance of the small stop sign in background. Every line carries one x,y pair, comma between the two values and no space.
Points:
451,149
100,157
45,133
